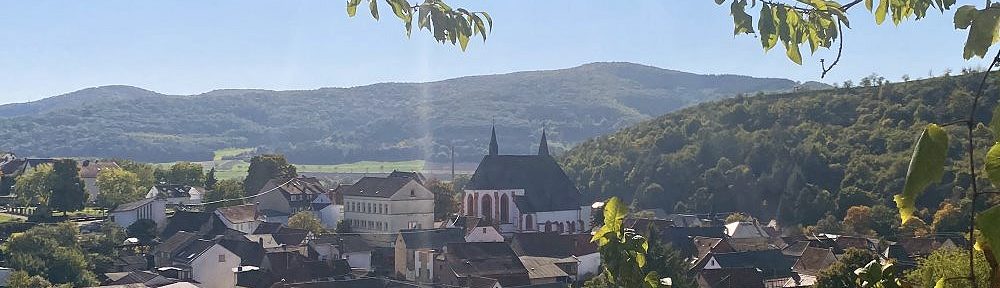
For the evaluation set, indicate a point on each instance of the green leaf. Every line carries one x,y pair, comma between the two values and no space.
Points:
742,22
792,51
963,16
352,7
652,279
926,167
987,223
940,283
373,5
982,32
883,8
768,34
993,164
719,2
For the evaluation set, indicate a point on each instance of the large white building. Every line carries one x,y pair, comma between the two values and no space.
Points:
387,204
523,193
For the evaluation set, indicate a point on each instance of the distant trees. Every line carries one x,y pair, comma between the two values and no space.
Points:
117,186
225,189
858,221
264,168
145,172
210,179
446,200
51,252
305,220
182,173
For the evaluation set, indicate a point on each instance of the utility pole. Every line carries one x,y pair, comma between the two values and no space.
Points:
453,162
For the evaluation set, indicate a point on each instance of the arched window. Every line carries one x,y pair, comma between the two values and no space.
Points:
504,209
548,226
560,227
529,224
572,227
470,207
487,208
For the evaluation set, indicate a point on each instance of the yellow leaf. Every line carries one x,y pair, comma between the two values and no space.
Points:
926,167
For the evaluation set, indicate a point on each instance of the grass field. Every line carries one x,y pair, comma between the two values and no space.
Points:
237,169
230,152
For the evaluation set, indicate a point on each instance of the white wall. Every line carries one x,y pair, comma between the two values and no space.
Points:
207,270
359,260
155,210
484,234
590,263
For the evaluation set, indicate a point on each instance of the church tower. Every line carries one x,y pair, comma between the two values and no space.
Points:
543,147
494,148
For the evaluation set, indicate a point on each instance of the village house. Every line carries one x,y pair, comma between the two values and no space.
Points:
150,208
177,194
574,253
208,263
459,262
415,251
518,193
88,173
387,205
244,218
288,196
329,209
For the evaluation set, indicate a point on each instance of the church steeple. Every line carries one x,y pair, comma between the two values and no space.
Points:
543,147
494,148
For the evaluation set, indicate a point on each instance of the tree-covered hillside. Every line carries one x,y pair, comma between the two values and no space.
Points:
802,154
392,121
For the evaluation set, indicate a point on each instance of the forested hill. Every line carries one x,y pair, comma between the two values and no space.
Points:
391,121
803,154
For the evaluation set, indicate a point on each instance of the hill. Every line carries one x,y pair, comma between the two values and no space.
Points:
381,122
796,156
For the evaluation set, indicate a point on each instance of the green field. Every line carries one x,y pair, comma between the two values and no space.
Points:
231,152
237,169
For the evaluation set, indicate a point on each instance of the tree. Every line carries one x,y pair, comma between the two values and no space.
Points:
143,229
949,263
343,227
34,186
228,189
841,273
21,279
666,261
305,220
184,173
858,220
52,252
264,168
210,179
68,192
446,24
144,171
949,218
737,217
446,201
117,186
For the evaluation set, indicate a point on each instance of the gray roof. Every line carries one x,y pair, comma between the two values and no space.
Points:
546,186
297,186
431,238
133,205
173,191
193,250
483,258
376,186
175,242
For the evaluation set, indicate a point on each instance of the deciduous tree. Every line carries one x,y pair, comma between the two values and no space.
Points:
117,186
228,189
68,192
307,221
264,168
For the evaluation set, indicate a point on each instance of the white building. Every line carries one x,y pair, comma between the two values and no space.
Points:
327,210
387,205
519,193
88,173
244,218
149,208
177,194
208,263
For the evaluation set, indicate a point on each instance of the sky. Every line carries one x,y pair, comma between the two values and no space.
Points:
186,47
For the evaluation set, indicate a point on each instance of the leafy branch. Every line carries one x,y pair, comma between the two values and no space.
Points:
445,23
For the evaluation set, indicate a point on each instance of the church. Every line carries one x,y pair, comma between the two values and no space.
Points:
525,193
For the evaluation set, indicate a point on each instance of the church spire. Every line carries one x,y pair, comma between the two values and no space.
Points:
543,146
494,148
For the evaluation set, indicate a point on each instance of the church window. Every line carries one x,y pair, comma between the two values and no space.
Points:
487,208
504,209
529,224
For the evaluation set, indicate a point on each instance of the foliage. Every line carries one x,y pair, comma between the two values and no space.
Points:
841,273
210,179
34,187
737,217
446,24
182,173
446,202
878,275
146,173
858,220
950,218
68,192
328,126
307,221
143,229
263,168
948,263
926,167
225,189
343,227
51,251
666,261
623,252
117,186
21,279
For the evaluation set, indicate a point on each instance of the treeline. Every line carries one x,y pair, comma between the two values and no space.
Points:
803,158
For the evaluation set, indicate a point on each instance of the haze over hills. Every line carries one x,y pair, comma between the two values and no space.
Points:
388,121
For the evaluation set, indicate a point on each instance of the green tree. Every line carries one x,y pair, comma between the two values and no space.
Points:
264,168
143,229
34,187
949,263
446,200
858,220
51,251
185,173
117,186
666,261
210,179
841,273
950,218
228,189
68,192
305,220
144,171
21,279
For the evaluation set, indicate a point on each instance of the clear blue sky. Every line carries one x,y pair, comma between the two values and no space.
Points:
187,47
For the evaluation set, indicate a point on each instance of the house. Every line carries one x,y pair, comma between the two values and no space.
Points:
483,234
177,194
747,236
136,279
350,247
906,251
494,260
88,173
579,257
164,252
415,251
771,266
288,196
519,193
243,218
329,210
387,205
130,263
148,208
544,270
208,263
412,175
813,261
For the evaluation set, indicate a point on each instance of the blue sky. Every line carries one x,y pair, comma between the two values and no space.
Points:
188,47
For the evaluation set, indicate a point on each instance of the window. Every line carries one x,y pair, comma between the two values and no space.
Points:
413,193
413,225
504,209
222,257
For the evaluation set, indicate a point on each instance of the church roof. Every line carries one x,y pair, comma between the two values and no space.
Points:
546,186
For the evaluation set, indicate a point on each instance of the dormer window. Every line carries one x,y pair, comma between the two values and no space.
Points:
413,193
